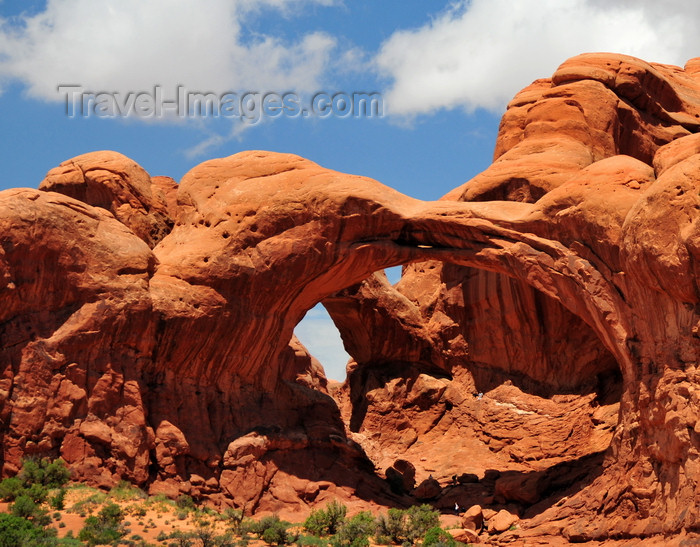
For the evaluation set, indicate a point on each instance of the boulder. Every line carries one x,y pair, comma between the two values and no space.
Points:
501,522
429,489
473,518
467,478
466,536
401,477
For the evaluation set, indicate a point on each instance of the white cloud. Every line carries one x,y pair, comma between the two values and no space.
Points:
478,54
130,45
475,54
321,337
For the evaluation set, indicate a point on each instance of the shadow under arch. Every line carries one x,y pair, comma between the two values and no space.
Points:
410,387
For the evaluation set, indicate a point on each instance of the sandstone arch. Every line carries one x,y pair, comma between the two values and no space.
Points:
152,364
596,114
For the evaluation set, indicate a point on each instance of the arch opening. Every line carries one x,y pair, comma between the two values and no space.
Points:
493,380
317,332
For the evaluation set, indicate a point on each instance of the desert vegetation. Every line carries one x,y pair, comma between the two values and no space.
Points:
42,508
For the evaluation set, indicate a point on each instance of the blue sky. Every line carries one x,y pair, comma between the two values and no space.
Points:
445,70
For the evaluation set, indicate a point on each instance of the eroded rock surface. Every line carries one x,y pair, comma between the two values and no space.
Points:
606,152
544,335
118,184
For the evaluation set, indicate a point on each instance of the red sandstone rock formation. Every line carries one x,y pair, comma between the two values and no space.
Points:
145,330
114,182
607,153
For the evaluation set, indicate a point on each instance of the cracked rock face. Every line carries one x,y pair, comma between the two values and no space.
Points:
544,331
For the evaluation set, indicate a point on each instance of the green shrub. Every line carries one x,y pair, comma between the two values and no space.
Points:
248,526
225,540
13,487
96,533
275,535
207,538
421,518
70,542
181,539
10,488
205,535
111,514
273,531
139,511
400,526
326,522
234,517
15,531
37,492
185,502
437,537
51,474
104,528
57,501
125,491
311,541
392,527
32,472
355,532
315,523
56,474
25,507
89,504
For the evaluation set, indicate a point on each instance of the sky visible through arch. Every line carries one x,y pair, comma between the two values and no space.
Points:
444,71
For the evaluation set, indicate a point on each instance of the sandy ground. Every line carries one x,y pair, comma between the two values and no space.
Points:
147,518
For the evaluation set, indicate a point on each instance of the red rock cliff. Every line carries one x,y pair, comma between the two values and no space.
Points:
145,328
